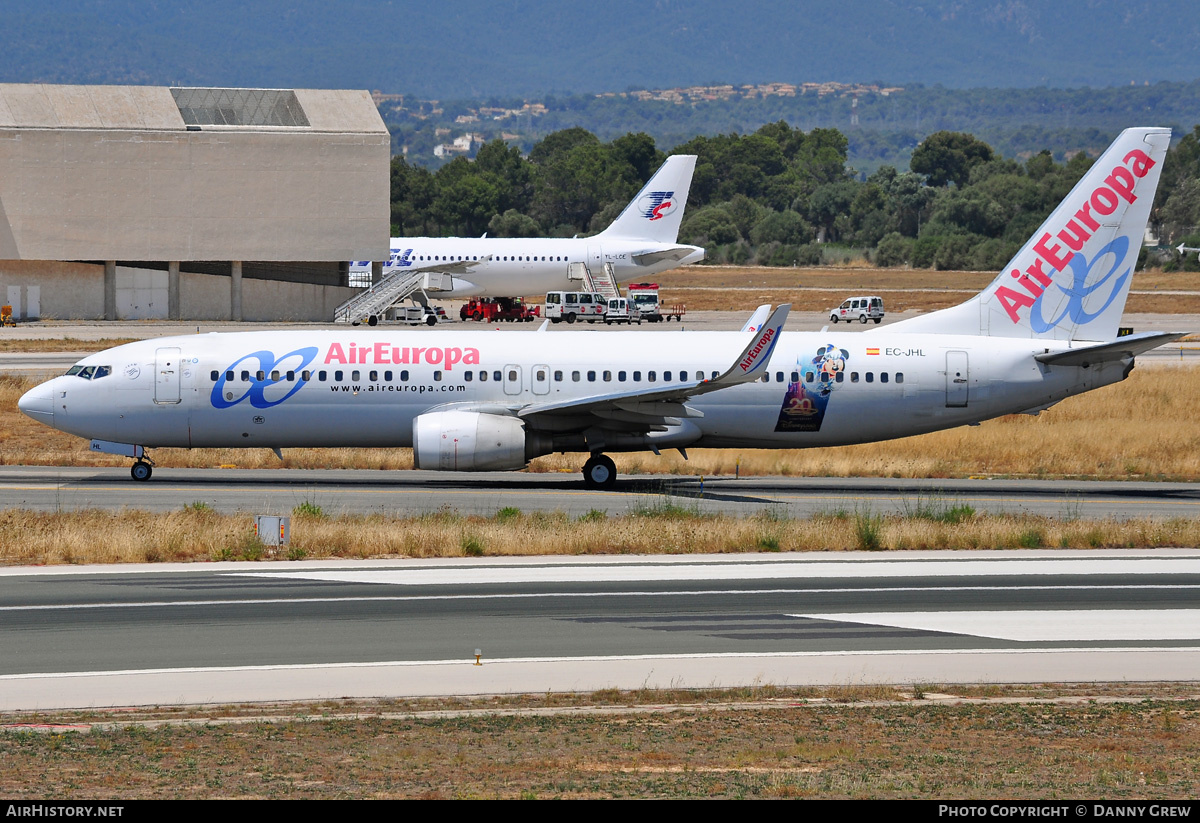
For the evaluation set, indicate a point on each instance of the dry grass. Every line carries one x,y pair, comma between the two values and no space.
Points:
1141,428
197,533
776,743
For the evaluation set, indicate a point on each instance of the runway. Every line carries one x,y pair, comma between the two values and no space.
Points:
227,632
279,491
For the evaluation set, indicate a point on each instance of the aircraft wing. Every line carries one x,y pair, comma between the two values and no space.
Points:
652,256
1120,349
448,266
652,406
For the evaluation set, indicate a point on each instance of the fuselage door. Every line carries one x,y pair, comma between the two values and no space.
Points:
541,380
595,259
512,379
958,376
166,376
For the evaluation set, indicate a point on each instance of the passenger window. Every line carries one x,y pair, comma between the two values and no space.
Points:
213,375
245,376
883,377
275,376
558,376
497,376
373,376
322,375
808,377
841,377
651,376
354,375
899,377
512,376
404,375
387,376
766,378
795,377
607,376
291,376
540,376
260,375
621,376
467,377
575,376
870,377
229,376
337,375
591,377
482,376
667,376
437,375
778,377
853,377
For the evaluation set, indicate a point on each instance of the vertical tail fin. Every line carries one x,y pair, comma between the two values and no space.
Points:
1071,279
657,211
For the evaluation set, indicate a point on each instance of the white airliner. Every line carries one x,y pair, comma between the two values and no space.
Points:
1045,329
640,243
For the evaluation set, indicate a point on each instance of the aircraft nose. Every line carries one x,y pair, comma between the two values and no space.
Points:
38,403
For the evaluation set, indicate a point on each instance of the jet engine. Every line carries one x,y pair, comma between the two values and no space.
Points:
470,441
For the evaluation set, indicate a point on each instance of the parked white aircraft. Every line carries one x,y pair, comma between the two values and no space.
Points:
640,243
1044,330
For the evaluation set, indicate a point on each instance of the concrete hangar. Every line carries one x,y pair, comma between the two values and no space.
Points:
130,202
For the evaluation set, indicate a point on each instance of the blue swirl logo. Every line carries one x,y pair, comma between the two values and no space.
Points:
227,393
1079,289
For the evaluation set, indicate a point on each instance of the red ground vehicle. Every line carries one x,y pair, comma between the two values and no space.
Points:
508,309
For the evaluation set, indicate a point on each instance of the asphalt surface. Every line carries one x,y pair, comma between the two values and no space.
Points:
211,633
279,491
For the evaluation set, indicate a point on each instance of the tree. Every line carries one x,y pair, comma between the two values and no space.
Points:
948,157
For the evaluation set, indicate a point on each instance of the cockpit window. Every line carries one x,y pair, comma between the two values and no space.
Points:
89,372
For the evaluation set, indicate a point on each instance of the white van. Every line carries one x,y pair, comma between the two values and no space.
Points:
622,310
861,309
571,305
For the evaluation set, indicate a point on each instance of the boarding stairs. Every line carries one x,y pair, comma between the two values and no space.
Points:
603,283
390,290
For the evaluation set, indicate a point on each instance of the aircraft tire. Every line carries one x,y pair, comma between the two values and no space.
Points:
599,472
141,471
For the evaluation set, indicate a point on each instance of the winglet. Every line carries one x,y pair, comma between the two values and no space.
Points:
756,320
752,362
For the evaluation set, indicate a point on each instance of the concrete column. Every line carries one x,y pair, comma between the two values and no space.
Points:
173,290
110,289
235,291
376,271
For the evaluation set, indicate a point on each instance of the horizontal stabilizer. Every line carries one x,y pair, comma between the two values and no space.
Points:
649,258
1126,347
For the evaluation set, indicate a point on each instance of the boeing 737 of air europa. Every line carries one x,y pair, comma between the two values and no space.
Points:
640,243
1045,329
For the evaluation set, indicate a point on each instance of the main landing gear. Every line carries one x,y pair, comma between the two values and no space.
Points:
599,472
142,469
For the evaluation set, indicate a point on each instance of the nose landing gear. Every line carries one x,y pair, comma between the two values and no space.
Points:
142,469
599,472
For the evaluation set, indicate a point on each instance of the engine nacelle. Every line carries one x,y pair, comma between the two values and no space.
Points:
468,441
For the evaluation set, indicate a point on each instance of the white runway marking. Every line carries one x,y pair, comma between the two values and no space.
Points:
744,571
1041,625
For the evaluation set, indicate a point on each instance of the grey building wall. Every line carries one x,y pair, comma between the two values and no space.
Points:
75,291
111,172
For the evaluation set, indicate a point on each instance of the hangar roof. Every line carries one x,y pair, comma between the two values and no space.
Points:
159,108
